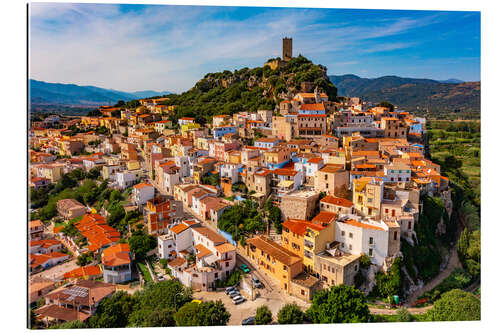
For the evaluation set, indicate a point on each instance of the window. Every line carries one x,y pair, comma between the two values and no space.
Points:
350,246
350,235
302,292
370,252
395,235
343,233
342,245
370,241
409,224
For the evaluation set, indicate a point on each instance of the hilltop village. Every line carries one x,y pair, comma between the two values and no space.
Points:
289,201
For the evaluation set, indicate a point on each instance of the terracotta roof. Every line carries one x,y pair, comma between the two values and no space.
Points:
300,226
331,168
36,223
312,107
363,225
315,160
81,272
202,251
284,172
226,247
337,201
142,185
177,229
61,313
274,250
210,234
324,217
179,261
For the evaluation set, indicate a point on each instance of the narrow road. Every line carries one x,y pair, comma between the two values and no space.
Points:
453,263
377,311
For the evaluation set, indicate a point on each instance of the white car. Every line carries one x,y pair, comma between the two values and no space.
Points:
239,299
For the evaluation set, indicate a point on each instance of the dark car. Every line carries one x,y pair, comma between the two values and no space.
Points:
256,282
230,289
248,321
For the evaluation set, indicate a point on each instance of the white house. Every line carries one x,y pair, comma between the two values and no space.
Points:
125,179
368,237
142,192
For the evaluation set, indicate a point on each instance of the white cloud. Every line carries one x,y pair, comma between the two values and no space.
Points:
171,47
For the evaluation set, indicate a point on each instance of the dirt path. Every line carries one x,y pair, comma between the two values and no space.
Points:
453,264
377,311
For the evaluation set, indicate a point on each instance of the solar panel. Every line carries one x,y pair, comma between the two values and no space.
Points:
76,291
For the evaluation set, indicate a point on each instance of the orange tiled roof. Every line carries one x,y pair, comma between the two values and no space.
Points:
337,201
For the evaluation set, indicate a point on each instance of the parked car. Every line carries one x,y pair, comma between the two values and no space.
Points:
239,299
256,282
245,268
229,289
248,321
235,293
161,278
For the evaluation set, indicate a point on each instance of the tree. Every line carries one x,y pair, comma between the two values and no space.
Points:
188,315
70,325
84,259
456,305
204,314
386,104
391,283
159,318
263,316
291,314
340,304
93,173
113,311
404,315
141,244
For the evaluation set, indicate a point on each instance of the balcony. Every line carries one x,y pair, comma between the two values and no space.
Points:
309,245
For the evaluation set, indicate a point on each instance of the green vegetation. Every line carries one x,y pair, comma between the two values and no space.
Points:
291,314
456,305
233,280
340,304
263,316
242,219
204,314
274,215
456,146
84,259
212,179
425,256
140,244
145,272
391,283
459,279
386,104
247,89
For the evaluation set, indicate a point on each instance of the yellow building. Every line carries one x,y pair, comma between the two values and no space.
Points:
188,127
367,196
308,238
274,259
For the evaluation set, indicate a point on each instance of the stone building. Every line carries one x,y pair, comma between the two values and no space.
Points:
299,204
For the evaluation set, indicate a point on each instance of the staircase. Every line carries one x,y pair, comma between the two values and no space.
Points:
274,235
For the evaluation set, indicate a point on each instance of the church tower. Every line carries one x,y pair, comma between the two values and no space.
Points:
287,49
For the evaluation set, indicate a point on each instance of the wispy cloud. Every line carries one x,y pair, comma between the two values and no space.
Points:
171,47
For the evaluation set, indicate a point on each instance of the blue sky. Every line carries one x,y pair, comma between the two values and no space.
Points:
141,47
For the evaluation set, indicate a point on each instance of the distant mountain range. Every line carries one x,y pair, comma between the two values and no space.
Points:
45,93
450,95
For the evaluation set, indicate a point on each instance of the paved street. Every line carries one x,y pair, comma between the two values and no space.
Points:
58,271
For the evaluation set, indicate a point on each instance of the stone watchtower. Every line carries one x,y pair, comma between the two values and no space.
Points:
287,49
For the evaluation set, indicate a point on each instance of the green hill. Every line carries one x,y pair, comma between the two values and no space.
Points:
249,89
416,95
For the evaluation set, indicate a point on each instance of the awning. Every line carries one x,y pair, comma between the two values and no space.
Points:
286,183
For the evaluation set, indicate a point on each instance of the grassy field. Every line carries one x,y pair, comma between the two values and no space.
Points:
462,141
145,272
